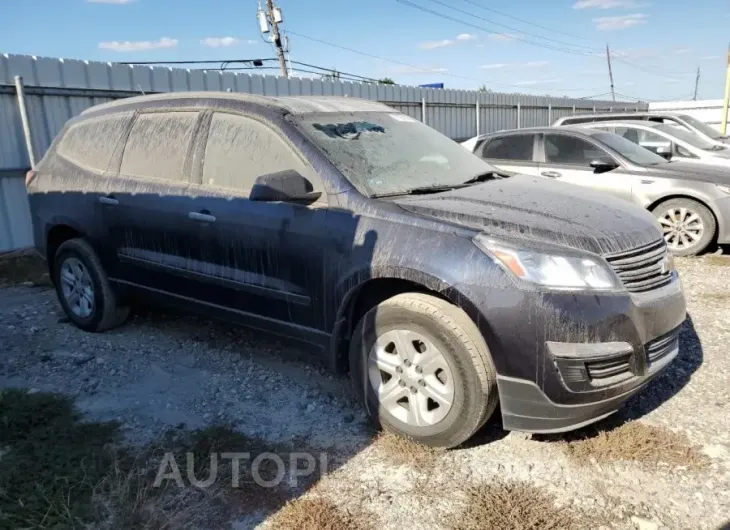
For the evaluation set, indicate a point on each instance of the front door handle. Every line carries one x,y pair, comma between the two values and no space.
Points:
551,174
109,200
203,216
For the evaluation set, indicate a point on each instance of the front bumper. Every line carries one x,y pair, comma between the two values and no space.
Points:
574,358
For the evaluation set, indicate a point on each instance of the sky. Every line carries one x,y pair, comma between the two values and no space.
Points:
554,47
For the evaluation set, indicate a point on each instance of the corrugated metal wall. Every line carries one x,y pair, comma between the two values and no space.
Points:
58,89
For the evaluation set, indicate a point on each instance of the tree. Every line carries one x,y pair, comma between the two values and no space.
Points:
484,88
386,81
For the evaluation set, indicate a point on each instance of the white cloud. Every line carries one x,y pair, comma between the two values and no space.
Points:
539,82
495,66
681,51
219,42
466,37
502,37
603,4
709,57
620,22
435,44
136,46
537,64
110,1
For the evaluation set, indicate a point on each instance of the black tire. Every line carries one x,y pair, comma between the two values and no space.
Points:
106,313
708,220
463,348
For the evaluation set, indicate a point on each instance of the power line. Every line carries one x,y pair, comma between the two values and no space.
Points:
508,27
426,70
481,28
525,21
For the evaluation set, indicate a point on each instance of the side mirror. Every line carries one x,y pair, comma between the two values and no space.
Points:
284,186
601,165
664,151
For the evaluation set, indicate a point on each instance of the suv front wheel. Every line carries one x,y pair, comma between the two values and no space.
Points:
83,288
423,370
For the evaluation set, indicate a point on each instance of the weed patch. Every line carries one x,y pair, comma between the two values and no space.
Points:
403,451
26,268
514,506
633,441
318,514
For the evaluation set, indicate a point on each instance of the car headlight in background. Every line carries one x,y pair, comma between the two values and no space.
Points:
552,270
725,189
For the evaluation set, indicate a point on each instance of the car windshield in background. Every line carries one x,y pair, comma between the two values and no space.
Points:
629,150
703,127
686,136
385,153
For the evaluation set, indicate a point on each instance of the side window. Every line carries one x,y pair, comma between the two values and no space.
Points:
241,149
91,143
652,141
512,147
561,149
157,145
629,133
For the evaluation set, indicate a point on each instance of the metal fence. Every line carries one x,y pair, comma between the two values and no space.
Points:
57,89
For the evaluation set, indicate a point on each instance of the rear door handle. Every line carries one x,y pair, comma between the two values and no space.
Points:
551,174
109,200
203,216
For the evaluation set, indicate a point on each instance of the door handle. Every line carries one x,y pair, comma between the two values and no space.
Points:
203,216
109,200
551,174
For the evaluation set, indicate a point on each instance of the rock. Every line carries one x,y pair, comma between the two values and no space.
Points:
311,407
714,451
348,418
644,524
77,358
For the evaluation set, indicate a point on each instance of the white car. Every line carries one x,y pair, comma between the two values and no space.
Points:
670,142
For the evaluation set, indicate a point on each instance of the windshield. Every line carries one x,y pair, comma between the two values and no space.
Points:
703,127
686,136
629,150
385,153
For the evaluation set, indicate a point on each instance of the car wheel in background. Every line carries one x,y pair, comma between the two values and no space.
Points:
689,227
423,370
83,288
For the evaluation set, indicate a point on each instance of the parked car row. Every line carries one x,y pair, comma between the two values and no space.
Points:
671,168
441,284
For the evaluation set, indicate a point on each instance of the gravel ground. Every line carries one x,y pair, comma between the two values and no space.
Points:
162,371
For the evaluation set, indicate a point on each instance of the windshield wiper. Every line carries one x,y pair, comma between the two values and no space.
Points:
424,190
484,177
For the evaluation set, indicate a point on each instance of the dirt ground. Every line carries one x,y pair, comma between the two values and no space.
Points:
662,462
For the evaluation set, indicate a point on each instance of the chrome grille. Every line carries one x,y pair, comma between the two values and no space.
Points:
659,348
644,268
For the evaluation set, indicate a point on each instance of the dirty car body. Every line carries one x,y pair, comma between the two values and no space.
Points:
368,228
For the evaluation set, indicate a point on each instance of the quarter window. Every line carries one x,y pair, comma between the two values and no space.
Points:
158,144
91,143
512,147
240,149
562,149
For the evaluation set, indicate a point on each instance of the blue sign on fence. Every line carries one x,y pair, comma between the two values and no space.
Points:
432,85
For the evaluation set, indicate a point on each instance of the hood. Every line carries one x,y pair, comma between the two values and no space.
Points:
714,174
542,211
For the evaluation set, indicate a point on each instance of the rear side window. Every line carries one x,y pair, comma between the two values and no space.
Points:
240,149
91,143
157,145
513,147
561,149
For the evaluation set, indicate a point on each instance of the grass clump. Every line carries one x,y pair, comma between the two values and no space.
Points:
634,441
514,506
318,514
404,451
15,270
50,462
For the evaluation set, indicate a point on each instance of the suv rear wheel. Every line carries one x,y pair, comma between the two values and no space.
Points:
423,370
83,288
689,227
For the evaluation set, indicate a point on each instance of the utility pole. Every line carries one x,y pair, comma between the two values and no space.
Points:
610,72
273,16
727,94
697,83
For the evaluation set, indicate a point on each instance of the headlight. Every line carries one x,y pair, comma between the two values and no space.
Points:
725,189
550,270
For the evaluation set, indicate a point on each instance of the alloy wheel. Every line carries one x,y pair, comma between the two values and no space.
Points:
411,377
77,287
683,228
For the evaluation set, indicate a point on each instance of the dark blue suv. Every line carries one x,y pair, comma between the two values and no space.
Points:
442,285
